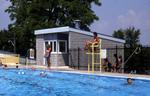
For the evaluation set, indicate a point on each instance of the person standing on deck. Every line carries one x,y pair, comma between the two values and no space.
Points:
47,55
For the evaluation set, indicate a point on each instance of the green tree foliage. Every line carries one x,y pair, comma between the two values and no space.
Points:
4,39
5,36
51,13
29,15
119,34
131,36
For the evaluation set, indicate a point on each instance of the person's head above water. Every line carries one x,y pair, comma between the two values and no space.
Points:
129,81
17,66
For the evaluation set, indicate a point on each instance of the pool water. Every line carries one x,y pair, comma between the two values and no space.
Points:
21,82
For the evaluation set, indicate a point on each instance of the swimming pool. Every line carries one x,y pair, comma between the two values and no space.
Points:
21,82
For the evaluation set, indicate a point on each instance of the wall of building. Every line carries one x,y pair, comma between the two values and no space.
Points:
40,49
59,59
77,40
56,59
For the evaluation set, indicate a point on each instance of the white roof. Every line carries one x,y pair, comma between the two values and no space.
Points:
68,29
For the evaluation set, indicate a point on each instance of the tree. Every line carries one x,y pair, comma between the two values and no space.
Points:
119,34
29,15
4,38
131,36
51,13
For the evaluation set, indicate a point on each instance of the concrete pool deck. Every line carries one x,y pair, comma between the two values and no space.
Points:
71,70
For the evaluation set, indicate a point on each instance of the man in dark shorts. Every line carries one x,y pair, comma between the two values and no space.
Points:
47,55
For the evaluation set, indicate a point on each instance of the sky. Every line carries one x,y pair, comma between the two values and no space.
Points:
4,17
113,15
116,14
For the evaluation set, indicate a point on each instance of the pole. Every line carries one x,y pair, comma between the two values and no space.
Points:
93,57
116,54
100,56
88,60
78,58
14,43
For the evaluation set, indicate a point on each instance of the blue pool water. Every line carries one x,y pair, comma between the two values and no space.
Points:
20,82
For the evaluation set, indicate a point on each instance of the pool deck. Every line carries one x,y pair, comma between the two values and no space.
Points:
70,70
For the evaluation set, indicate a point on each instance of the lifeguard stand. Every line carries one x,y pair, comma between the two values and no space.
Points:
94,51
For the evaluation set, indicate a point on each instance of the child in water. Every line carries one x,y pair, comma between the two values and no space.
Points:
129,81
43,74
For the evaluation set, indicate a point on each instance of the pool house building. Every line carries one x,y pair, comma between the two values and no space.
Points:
68,46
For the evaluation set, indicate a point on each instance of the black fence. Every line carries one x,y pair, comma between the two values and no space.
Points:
139,62
134,60
79,58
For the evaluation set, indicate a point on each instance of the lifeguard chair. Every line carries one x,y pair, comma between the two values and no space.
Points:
93,51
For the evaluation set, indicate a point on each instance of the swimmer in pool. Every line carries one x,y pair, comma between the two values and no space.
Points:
129,81
17,66
33,69
43,74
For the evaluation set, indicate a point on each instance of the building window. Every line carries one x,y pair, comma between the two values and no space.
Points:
62,46
52,44
54,47
59,46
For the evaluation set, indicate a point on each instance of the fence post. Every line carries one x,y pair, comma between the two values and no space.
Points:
78,58
69,55
116,53
141,59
